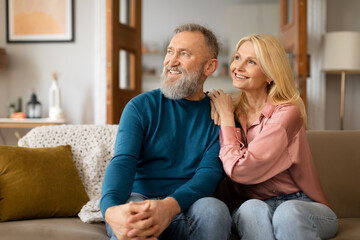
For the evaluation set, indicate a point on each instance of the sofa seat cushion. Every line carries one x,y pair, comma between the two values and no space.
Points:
349,229
52,228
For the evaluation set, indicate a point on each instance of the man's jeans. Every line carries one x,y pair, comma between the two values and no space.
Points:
290,217
207,219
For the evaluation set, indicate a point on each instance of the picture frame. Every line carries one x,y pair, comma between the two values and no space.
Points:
35,21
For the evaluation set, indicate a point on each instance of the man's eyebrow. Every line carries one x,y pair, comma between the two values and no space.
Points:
184,49
179,49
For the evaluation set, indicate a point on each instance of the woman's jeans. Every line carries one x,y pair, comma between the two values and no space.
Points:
288,217
208,218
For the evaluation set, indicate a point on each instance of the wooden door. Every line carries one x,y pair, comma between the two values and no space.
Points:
293,34
123,55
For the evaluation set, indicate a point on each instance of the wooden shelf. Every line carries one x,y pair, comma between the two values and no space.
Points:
27,123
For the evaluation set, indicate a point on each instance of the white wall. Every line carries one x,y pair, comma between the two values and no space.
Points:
343,16
315,83
31,66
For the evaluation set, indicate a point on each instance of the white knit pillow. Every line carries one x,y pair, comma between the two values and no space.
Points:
92,148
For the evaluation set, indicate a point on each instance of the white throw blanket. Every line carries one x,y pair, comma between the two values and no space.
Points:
92,148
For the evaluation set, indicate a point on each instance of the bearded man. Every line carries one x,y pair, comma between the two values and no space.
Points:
166,166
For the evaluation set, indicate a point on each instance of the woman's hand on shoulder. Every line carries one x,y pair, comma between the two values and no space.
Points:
222,108
215,115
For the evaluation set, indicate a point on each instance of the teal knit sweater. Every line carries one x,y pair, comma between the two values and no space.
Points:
163,148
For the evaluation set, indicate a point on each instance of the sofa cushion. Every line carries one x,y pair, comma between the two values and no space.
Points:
337,159
34,182
54,229
92,147
349,229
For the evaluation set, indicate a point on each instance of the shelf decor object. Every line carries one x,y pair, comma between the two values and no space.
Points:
342,56
33,107
39,21
55,110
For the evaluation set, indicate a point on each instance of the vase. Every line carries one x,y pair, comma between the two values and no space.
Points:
55,111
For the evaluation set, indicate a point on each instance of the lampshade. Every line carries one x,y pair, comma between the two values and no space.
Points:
342,52
3,58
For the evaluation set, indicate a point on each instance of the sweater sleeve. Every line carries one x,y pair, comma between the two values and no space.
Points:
120,173
205,180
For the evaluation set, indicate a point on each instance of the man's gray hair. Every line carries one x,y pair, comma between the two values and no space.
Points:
210,38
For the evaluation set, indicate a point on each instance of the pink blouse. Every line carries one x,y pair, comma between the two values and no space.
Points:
277,159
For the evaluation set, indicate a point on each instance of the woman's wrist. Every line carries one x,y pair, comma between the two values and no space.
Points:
227,119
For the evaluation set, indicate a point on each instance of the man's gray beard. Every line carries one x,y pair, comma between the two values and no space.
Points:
188,84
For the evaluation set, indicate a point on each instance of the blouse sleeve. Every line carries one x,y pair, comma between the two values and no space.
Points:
267,153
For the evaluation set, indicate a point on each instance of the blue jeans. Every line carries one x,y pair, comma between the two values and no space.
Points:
290,217
208,218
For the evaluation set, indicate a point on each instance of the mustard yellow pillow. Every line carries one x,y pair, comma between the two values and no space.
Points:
39,183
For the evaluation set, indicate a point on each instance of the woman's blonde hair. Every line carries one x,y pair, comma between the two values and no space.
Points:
274,63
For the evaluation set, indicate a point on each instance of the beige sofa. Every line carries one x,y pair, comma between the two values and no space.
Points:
336,155
337,158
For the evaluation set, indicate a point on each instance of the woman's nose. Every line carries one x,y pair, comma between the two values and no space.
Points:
238,65
241,66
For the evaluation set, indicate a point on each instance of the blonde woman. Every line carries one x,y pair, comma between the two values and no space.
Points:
264,148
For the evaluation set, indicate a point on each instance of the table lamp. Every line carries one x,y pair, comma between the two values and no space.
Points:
342,55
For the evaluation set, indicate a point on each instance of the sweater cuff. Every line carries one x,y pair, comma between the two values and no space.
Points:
105,203
183,204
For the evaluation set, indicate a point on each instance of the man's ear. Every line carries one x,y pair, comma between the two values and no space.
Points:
210,66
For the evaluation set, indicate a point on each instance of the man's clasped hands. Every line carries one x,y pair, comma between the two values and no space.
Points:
142,220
